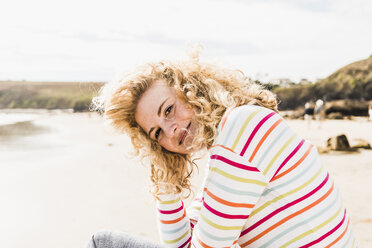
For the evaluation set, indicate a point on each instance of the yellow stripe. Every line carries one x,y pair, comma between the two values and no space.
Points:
278,154
169,202
243,127
286,194
176,240
197,208
313,229
235,178
219,226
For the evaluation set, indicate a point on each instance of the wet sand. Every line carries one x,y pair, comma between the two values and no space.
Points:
69,176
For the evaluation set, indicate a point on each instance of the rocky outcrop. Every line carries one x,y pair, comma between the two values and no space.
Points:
361,144
341,143
338,143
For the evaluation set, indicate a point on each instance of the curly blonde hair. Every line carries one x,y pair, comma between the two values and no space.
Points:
207,88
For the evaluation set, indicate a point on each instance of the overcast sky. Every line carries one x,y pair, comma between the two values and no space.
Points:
81,40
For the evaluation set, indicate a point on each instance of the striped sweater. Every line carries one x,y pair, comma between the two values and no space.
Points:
265,187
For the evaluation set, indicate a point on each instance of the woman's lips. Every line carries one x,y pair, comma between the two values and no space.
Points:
184,134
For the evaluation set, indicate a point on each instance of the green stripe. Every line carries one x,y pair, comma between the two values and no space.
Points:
278,154
174,230
235,178
243,128
219,226
169,202
176,240
215,237
313,229
256,211
233,191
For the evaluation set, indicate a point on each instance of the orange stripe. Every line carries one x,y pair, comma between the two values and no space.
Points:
339,237
225,118
207,246
231,204
201,242
289,217
223,147
295,165
264,138
173,221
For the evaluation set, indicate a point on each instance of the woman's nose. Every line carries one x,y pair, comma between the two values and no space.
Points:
170,129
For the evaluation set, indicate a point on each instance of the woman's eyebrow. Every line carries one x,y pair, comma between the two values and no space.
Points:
149,133
159,111
161,106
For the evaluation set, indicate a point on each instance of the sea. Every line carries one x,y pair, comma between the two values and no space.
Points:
23,129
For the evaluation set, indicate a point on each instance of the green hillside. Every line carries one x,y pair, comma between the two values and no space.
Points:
352,82
48,95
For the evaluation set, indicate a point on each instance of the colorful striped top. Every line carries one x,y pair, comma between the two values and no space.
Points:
265,187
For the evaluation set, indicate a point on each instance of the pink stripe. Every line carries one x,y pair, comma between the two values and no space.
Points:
197,199
255,130
285,207
235,164
290,156
327,234
226,216
171,211
186,243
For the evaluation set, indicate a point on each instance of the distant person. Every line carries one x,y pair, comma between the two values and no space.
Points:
319,112
308,113
265,187
370,112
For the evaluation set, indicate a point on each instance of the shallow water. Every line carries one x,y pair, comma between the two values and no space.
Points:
23,131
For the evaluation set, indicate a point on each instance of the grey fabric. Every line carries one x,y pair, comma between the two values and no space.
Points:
109,239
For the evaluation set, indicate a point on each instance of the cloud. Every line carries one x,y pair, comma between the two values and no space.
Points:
284,38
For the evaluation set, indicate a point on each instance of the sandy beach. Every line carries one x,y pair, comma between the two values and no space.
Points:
66,176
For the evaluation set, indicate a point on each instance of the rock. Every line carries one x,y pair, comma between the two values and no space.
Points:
338,143
335,116
361,143
322,150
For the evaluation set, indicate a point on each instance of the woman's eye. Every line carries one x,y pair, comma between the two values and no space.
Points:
157,133
168,110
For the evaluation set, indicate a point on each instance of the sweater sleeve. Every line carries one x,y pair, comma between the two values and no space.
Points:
233,186
173,224
176,228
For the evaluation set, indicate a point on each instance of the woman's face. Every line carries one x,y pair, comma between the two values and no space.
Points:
166,118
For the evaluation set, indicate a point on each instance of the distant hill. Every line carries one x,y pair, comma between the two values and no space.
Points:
351,82
47,95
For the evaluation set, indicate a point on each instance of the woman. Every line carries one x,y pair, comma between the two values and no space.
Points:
265,186
308,115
